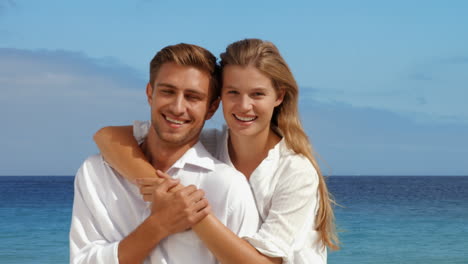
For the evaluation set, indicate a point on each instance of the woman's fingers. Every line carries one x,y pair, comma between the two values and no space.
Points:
148,186
197,195
149,191
163,175
168,184
200,205
148,181
189,199
200,214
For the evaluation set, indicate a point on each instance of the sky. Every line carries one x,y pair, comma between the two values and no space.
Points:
383,84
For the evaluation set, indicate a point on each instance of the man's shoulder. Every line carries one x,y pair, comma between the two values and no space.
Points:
93,162
93,159
94,169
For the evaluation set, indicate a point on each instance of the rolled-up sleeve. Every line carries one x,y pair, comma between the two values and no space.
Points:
87,242
292,214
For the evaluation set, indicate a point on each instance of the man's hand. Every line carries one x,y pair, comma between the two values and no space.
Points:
174,210
147,185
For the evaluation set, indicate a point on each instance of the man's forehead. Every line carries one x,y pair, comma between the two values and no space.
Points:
183,77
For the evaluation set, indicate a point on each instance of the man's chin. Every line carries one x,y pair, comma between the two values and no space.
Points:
171,138
175,139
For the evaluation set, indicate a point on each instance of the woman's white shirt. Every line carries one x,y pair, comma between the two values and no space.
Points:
285,187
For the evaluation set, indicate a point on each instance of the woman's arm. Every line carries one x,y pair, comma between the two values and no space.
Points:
227,247
120,149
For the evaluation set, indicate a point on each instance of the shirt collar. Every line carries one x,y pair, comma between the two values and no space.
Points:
223,151
197,156
274,154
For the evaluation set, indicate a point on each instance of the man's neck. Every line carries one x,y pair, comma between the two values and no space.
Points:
163,155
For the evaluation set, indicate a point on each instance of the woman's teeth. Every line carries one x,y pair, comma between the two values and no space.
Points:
245,119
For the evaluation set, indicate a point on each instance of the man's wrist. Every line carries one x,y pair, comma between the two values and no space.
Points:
157,230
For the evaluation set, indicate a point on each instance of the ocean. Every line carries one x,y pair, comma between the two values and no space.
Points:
381,219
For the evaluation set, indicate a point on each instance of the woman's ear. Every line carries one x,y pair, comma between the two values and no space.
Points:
280,96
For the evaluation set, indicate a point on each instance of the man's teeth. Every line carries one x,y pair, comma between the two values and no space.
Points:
245,119
179,122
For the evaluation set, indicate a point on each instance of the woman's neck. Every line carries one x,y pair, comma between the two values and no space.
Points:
247,152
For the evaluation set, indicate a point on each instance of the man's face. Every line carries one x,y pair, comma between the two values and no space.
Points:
180,103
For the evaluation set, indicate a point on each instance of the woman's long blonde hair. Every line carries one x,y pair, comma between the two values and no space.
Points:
264,56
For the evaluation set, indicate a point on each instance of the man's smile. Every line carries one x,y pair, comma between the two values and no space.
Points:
174,120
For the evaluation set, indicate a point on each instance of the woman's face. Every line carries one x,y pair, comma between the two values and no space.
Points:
248,98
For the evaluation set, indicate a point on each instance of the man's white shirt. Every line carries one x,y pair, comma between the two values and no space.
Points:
285,187
107,208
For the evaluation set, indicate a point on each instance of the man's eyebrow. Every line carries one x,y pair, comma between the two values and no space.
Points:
168,85
193,91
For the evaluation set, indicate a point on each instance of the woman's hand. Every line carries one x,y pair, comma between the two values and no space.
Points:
177,208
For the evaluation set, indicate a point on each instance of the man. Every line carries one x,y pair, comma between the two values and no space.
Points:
112,224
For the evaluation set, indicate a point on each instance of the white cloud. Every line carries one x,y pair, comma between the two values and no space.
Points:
53,101
372,141
434,88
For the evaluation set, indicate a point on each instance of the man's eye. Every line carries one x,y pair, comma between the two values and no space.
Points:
193,97
232,92
258,94
167,91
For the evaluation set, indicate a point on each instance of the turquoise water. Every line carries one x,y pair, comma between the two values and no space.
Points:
383,219
402,219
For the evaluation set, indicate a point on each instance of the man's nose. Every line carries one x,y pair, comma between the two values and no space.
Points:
178,105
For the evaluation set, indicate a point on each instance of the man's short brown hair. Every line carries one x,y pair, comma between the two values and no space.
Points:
188,55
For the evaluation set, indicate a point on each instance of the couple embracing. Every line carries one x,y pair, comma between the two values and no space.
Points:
165,191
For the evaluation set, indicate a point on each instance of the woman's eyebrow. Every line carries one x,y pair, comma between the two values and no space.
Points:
230,87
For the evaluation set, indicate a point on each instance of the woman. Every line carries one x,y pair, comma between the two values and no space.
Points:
266,142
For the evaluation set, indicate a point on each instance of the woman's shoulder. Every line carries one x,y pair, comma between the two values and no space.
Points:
295,166
212,138
208,134
293,159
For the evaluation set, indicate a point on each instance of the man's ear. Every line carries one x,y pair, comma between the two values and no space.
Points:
149,93
212,108
280,97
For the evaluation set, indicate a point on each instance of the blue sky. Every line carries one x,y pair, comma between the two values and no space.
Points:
383,84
